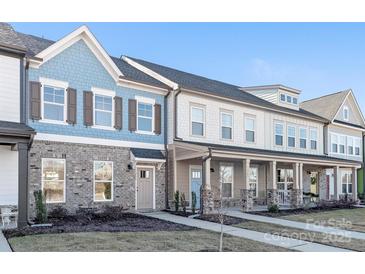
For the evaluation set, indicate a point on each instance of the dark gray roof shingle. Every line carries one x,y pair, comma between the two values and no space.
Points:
325,106
147,153
214,87
9,37
34,44
16,128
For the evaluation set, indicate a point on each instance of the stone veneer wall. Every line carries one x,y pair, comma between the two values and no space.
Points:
79,175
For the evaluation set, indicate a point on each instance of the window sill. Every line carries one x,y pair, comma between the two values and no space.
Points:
56,202
103,127
145,132
56,122
103,201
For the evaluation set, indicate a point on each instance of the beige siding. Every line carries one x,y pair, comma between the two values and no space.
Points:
354,115
9,89
268,95
183,176
8,176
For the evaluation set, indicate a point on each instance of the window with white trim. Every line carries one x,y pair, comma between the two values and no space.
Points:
250,129
103,109
313,138
345,111
279,134
288,98
197,121
350,145
342,144
53,180
103,181
253,180
145,117
226,125
54,103
303,137
357,146
282,97
295,101
334,143
226,176
346,182
291,136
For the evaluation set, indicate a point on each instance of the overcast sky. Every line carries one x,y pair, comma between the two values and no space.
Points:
316,58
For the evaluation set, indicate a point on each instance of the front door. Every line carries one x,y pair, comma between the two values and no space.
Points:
195,183
145,188
284,185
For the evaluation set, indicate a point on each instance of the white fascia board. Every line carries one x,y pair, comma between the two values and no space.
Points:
151,73
85,34
348,126
95,141
143,87
149,160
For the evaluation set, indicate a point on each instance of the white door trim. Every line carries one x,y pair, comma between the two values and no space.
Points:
153,188
190,168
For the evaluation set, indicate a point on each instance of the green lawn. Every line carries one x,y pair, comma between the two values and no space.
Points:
354,219
321,238
195,240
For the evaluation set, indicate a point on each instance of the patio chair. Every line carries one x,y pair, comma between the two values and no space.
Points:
6,214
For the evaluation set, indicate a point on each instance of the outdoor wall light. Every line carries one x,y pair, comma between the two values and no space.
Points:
211,169
130,166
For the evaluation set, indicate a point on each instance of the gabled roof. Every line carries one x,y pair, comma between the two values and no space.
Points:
326,106
9,38
205,85
34,45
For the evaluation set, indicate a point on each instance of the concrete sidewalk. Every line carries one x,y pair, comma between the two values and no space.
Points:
275,240
4,246
299,225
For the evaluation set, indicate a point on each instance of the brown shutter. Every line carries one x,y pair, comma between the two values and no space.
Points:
157,119
88,108
118,110
71,106
132,115
35,100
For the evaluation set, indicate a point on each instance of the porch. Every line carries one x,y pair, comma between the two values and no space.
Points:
255,181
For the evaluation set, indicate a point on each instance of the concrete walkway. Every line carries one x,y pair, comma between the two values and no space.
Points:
275,240
299,225
4,246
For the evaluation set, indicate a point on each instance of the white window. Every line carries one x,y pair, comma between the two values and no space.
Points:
295,101
197,121
145,117
53,180
144,174
288,98
54,103
334,143
279,134
345,113
303,137
103,181
250,129
291,136
350,145
346,182
282,97
103,110
226,125
342,144
226,176
357,146
253,180
313,138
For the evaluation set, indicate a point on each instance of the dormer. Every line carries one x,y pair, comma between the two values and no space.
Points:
277,94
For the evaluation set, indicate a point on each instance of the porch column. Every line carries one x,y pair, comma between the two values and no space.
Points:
337,182
354,183
207,194
22,184
271,192
246,192
296,193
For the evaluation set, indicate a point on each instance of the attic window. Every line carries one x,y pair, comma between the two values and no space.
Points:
288,98
295,101
282,97
345,113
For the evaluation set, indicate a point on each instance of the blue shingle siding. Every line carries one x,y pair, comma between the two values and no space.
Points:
78,66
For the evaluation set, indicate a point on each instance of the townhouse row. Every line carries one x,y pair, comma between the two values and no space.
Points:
91,130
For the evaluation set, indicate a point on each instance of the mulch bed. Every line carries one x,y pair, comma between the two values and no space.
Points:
120,222
180,213
297,211
228,220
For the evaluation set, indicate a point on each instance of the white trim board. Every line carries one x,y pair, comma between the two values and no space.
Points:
95,141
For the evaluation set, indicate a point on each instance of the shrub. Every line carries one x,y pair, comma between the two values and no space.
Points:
273,208
59,212
40,207
193,202
177,200
183,202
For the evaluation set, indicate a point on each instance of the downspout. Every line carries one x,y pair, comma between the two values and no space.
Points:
178,91
205,158
166,151
325,139
363,168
